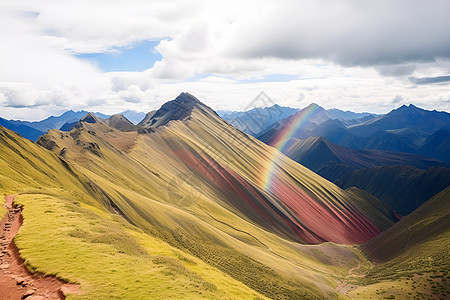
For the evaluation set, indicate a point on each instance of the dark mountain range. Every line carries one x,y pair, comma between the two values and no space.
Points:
332,161
405,129
55,122
405,117
146,120
312,116
258,120
24,130
64,122
401,188
437,145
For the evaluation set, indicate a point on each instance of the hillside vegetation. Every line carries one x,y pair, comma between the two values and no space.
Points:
181,208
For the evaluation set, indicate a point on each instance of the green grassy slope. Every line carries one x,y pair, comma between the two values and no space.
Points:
137,183
426,225
412,257
69,220
68,232
135,174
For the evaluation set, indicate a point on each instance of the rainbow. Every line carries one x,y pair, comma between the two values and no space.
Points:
295,124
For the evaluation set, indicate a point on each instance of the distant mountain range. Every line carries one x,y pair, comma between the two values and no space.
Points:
65,122
332,161
258,120
24,130
393,177
401,188
406,129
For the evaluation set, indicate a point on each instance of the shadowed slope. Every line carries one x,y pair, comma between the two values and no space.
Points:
332,161
429,222
437,145
418,245
402,188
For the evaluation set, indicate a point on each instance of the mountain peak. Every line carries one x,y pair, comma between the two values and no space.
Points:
177,109
186,98
121,123
410,107
315,105
90,117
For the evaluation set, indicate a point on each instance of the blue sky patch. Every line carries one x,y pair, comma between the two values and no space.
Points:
136,58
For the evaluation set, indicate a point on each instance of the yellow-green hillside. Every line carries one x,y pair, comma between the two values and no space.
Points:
412,256
196,184
67,232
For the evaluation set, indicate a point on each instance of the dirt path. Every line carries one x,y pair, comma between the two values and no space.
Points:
16,281
346,287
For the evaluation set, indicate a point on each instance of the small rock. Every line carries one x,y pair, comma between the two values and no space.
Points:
4,266
36,298
28,293
19,280
64,290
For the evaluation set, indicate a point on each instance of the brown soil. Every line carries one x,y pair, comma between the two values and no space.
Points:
16,281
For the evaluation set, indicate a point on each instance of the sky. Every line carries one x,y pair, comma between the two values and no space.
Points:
111,56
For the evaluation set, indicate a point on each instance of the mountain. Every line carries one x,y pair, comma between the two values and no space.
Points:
121,123
24,130
55,122
401,188
437,145
332,161
118,121
428,222
187,206
302,124
72,228
146,119
405,129
65,121
411,117
257,120
182,109
413,253
68,126
209,190
177,109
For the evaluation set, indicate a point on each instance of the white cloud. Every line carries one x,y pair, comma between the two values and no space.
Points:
347,54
